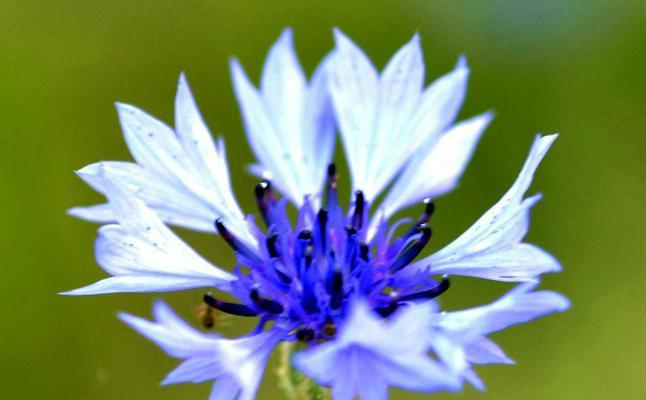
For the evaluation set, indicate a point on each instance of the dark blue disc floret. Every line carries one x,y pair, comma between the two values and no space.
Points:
304,277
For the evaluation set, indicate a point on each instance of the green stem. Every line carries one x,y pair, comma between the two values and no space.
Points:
296,385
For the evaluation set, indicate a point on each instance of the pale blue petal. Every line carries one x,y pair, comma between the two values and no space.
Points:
435,110
518,306
194,370
436,169
459,337
284,87
175,337
473,378
207,158
142,283
225,389
354,85
171,203
492,247
370,354
261,135
385,119
181,174
144,255
319,128
485,351
237,365
289,123
400,88
98,213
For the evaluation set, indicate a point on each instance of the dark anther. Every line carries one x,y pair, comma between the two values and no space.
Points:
284,278
305,235
337,281
232,241
337,289
412,251
429,209
229,308
271,246
267,305
322,217
331,198
359,205
305,335
351,230
364,252
387,310
331,173
442,287
264,199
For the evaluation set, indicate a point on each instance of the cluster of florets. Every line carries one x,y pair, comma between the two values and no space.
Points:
306,277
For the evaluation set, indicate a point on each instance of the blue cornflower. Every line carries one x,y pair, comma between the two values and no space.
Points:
338,281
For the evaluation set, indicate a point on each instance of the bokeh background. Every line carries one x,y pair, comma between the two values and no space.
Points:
576,67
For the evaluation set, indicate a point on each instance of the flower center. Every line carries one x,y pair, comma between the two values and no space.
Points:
305,276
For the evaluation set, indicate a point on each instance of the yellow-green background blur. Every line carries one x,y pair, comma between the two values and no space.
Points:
577,67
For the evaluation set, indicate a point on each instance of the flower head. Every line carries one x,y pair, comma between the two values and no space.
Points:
339,280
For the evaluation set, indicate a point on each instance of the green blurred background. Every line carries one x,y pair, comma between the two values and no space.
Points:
576,67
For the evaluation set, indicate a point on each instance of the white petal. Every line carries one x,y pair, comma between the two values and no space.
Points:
370,354
289,123
261,134
515,263
182,175
485,351
459,337
518,306
491,247
385,120
97,213
195,370
318,130
283,88
354,84
225,388
439,104
173,335
144,255
435,110
207,158
236,364
171,202
436,169
400,88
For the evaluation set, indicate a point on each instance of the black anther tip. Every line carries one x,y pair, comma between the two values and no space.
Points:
331,170
351,230
305,234
337,281
429,207
262,188
424,229
271,245
305,335
322,214
364,251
